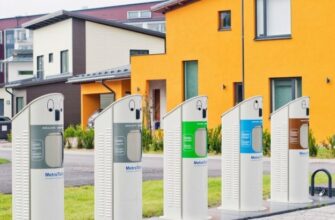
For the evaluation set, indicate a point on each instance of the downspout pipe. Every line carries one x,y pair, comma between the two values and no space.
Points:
12,100
243,53
107,87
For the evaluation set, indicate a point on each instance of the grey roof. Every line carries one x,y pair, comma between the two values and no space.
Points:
110,74
63,15
35,82
170,5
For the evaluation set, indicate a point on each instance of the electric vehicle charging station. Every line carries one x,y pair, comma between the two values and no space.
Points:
118,160
37,166
185,161
242,165
290,152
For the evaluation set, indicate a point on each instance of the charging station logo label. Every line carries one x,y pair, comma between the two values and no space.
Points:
198,163
53,175
131,168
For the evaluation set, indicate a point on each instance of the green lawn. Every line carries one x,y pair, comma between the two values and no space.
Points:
3,161
79,201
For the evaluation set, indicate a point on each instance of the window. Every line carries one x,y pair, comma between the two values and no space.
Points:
19,104
190,79
64,61
238,92
1,37
273,18
40,67
25,72
2,107
1,67
9,43
138,14
284,90
224,20
51,57
160,27
138,52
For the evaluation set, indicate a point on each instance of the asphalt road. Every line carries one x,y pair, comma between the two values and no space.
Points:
79,168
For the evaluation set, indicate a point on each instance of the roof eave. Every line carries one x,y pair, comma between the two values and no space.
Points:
170,5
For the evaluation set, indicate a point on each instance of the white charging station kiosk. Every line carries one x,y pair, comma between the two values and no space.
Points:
118,160
185,161
242,168
37,166
290,152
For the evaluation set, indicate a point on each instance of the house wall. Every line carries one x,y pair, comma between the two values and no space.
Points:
90,96
53,39
71,94
15,67
309,54
7,102
108,47
192,34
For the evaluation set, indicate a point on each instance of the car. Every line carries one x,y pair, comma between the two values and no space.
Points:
90,123
5,127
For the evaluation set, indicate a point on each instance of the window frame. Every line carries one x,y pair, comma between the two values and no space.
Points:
294,94
236,84
265,36
25,72
1,37
51,57
16,103
39,72
139,14
61,62
184,78
221,28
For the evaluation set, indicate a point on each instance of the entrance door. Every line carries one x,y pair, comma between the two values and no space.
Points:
106,100
157,104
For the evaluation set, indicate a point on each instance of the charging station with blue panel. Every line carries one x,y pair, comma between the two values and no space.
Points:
242,164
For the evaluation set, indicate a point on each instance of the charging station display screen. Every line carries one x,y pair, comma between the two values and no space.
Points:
251,136
194,139
46,146
298,133
127,142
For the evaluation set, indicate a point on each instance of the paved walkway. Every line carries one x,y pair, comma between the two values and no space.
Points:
324,213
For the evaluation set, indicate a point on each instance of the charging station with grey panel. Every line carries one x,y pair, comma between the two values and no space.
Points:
37,166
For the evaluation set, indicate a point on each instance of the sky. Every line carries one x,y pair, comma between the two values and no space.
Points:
12,8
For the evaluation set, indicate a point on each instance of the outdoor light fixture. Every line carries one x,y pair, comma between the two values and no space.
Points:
328,80
224,86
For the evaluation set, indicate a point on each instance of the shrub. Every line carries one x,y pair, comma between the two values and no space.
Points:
266,143
330,145
87,138
157,140
70,132
146,139
9,137
313,148
214,140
